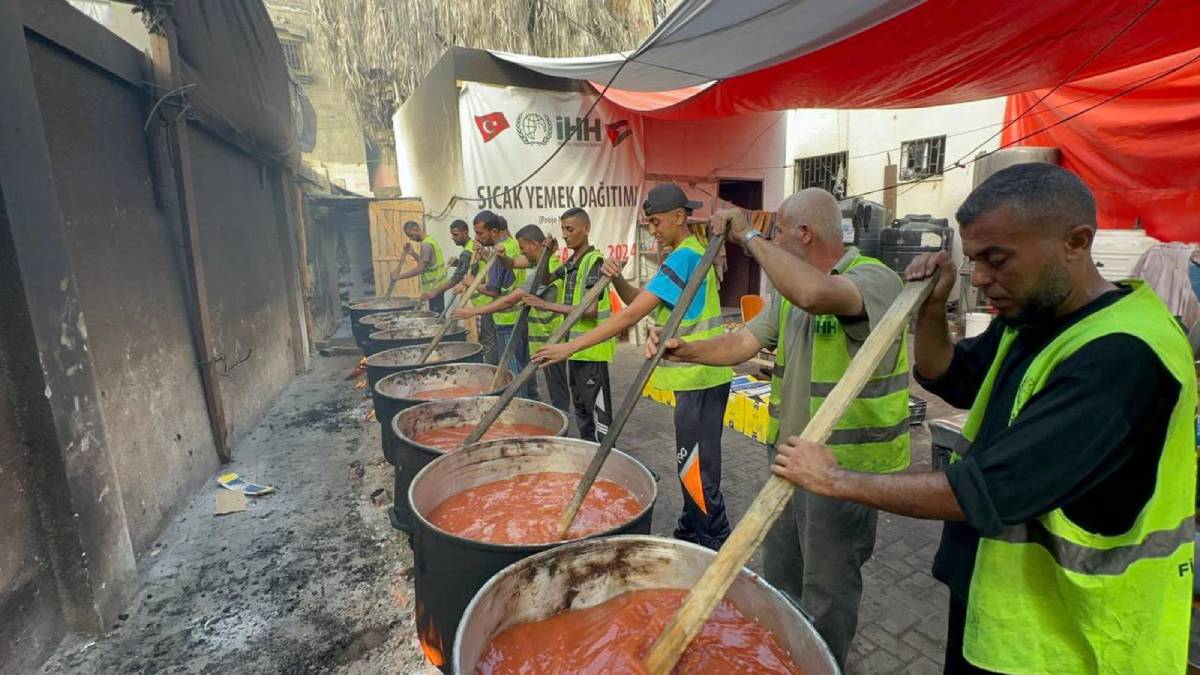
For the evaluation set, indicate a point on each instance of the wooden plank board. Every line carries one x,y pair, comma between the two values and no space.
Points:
167,66
387,218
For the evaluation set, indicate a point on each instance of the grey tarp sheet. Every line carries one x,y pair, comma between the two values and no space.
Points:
231,48
690,47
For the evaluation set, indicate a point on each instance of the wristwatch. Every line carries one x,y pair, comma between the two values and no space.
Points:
750,235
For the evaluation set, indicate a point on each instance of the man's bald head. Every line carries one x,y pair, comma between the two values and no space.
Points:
815,209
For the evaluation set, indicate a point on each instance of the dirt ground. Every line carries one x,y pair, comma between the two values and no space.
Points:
309,579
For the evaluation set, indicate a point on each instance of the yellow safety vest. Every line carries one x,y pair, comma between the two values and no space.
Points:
578,279
1048,596
434,275
543,323
873,435
689,376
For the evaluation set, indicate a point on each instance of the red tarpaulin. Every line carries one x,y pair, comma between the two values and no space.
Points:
1140,153
950,51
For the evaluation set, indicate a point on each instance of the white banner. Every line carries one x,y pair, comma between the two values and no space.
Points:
507,132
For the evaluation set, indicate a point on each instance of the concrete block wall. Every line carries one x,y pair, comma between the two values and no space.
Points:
104,430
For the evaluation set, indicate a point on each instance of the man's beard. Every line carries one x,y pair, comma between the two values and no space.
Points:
1051,290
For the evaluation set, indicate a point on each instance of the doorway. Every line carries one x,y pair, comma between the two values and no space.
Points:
743,274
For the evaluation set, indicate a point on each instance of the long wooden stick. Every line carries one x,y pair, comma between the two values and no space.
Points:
446,325
460,299
527,372
399,266
773,498
522,323
635,390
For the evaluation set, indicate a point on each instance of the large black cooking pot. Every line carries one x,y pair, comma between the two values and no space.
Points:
410,456
412,332
400,359
381,320
362,307
394,394
449,569
589,572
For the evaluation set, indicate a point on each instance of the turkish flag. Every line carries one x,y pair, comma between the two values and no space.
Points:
490,125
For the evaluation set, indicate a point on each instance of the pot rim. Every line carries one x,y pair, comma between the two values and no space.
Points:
390,315
381,335
538,559
539,548
358,303
468,353
566,423
414,371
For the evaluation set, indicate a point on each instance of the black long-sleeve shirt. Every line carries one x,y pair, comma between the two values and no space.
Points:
1088,442
460,269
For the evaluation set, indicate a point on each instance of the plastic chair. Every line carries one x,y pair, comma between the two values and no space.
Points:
751,306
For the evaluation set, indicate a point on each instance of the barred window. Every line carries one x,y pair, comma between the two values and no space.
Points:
827,172
293,54
922,158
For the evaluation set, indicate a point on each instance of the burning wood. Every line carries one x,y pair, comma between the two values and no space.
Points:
431,640
359,370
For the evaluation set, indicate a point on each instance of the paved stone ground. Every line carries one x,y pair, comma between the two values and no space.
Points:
902,620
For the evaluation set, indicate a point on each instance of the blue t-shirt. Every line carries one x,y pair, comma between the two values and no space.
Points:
668,284
499,277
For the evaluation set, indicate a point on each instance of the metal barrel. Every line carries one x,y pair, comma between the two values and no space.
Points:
413,332
589,572
449,569
411,456
362,307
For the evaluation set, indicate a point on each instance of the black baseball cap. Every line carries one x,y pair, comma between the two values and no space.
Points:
667,197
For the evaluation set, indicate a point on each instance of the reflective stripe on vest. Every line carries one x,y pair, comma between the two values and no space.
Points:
542,323
435,275
508,317
873,434
575,283
1048,596
709,324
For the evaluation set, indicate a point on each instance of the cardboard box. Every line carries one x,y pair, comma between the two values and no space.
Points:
735,411
730,412
758,418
